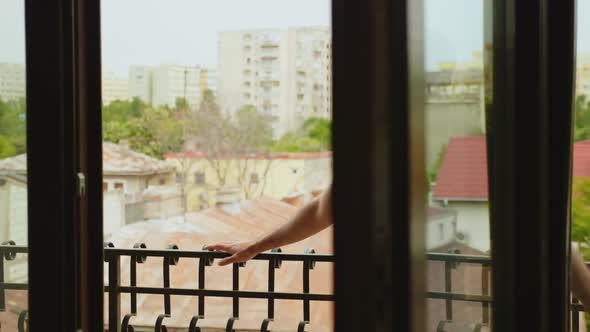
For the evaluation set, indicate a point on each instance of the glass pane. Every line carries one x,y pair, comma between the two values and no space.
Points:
13,167
458,42
216,126
581,177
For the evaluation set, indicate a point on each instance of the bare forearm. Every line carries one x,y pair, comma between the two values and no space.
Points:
311,219
580,278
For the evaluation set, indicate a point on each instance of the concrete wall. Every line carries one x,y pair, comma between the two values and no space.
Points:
473,221
440,231
445,120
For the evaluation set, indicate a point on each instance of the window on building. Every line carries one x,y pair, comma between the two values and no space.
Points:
119,186
200,178
162,182
105,186
254,178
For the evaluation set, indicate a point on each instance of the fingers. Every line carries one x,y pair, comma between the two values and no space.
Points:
218,247
228,260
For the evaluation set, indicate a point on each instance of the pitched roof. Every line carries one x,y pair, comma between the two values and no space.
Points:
117,160
257,156
213,225
463,172
581,162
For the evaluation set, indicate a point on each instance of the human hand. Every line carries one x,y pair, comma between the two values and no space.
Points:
240,251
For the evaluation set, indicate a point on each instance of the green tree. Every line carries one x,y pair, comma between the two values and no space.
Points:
314,135
433,174
581,214
6,148
13,124
582,118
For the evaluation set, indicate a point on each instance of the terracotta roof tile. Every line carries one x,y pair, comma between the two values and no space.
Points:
463,172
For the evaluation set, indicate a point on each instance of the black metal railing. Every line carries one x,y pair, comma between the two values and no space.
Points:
171,256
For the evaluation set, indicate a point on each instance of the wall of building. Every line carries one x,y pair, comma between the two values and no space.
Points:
113,89
440,231
447,119
284,73
12,81
283,177
473,221
140,83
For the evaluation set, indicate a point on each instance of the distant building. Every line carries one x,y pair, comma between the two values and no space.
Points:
462,185
284,73
126,176
114,88
12,81
454,107
140,83
274,175
162,85
208,80
583,76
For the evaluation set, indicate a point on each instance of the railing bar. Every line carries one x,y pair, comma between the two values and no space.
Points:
468,259
202,286
133,283
235,287
306,268
114,293
459,297
14,249
213,254
271,288
575,321
226,293
166,276
448,290
2,286
485,287
14,286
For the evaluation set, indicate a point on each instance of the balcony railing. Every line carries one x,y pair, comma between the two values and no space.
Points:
170,257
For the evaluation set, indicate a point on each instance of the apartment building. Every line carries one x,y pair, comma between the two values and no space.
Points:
114,88
12,81
284,73
583,76
209,79
162,85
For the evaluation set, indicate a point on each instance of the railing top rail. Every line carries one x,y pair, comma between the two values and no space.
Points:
214,254
459,258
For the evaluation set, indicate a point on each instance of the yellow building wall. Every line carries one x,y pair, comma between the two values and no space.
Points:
283,177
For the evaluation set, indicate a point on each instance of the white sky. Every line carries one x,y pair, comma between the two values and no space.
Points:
185,31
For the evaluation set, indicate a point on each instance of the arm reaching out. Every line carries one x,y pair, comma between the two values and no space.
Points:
311,219
580,279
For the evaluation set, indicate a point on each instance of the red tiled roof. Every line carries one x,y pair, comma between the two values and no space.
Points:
581,163
258,155
463,172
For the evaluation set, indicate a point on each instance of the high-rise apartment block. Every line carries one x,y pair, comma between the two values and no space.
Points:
162,85
583,76
114,88
209,79
12,81
286,74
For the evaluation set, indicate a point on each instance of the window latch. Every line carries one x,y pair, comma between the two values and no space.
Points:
81,179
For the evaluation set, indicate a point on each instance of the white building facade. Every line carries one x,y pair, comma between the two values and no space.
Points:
284,73
12,81
114,88
162,85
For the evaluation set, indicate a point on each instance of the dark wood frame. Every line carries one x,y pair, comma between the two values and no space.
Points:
63,124
379,185
529,128
379,188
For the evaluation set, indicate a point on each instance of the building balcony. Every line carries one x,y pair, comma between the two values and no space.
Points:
450,307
